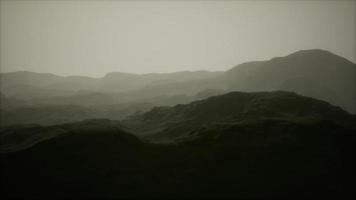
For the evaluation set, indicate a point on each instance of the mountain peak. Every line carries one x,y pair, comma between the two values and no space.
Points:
29,73
318,54
115,74
312,52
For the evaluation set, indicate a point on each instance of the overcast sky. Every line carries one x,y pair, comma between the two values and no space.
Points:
95,37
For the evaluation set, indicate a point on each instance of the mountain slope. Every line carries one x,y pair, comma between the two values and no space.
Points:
315,73
171,123
43,114
18,137
262,157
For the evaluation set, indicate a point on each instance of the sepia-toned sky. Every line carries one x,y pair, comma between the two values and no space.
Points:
95,37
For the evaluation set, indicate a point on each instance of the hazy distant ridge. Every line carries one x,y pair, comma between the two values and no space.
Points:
315,73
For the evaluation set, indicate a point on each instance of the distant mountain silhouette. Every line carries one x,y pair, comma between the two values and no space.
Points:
315,73
19,84
238,145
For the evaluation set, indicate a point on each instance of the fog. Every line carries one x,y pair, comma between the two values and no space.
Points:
177,99
95,37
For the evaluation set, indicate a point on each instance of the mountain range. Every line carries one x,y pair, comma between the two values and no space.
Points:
283,128
315,73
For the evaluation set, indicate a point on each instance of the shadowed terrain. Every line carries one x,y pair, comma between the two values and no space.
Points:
263,145
177,100
179,121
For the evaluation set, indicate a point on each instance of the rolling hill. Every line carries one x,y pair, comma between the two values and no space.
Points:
170,123
241,145
28,85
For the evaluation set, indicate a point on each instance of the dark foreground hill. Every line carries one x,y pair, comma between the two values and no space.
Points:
267,160
172,123
266,145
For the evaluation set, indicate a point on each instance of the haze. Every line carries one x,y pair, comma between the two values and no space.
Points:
95,37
